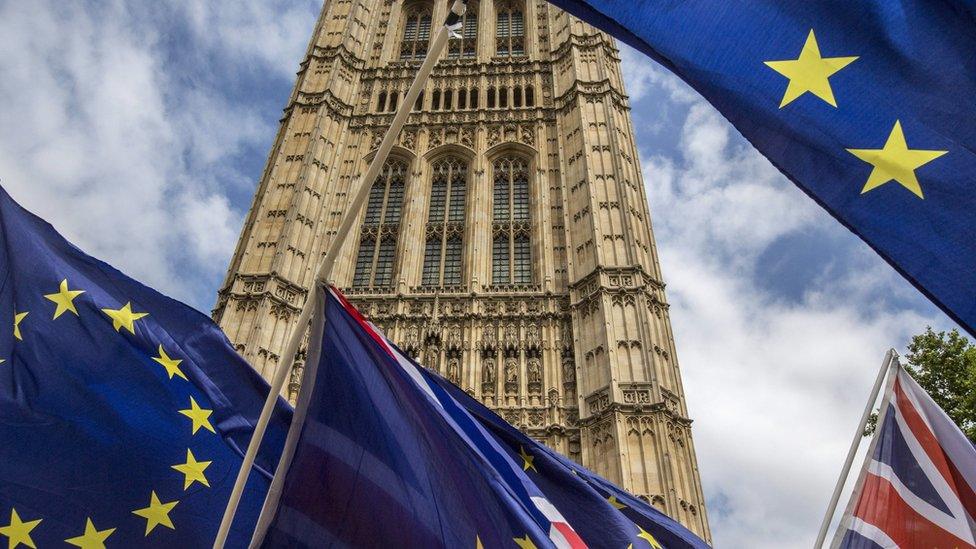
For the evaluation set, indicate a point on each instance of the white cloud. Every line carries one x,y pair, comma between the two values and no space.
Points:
272,33
109,133
106,136
642,75
775,385
743,202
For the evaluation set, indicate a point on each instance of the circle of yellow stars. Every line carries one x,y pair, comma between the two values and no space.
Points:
810,73
18,531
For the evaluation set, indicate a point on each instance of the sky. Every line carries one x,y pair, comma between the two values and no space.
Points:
140,129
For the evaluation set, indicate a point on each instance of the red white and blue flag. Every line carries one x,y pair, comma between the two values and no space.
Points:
385,453
918,485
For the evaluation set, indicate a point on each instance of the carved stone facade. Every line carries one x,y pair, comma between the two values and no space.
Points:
507,244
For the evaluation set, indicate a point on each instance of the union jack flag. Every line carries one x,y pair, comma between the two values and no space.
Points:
918,485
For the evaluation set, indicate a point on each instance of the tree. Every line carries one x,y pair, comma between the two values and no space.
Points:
944,364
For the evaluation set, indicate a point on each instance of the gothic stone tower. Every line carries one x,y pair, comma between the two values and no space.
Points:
507,243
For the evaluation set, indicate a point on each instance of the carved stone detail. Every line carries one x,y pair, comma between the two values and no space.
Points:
577,351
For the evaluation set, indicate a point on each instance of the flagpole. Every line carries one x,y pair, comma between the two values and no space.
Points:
887,398
451,24
889,359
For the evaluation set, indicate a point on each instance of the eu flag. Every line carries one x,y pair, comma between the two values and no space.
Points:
596,507
866,105
383,453
123,412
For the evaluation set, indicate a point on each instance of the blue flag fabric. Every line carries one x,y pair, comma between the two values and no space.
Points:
560,479
123,413
866,105
391,454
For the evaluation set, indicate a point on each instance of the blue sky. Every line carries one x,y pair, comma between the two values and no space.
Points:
140,130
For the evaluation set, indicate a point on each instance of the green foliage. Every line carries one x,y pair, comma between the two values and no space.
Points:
872,424
944,364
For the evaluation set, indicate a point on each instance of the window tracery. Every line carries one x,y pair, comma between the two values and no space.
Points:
443,250
509,28
416,32
511,244
465,46
381,227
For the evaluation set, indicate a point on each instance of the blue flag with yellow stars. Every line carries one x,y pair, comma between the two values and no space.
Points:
867,105
123,413
384,453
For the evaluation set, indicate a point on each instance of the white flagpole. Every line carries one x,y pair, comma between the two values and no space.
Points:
890,358
884,407
452,24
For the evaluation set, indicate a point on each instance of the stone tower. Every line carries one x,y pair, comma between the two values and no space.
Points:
507,243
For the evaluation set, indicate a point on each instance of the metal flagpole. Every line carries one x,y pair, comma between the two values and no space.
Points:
451,25
887,401
890,358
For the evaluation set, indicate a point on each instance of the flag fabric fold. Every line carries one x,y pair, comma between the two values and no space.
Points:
918,484
592,504
389,453
123,413
864,104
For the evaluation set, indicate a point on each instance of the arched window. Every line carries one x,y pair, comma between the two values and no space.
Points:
416,32
517,97
381,227
474,98
511,261
381,102
435,101
445,222
529,96
462,99
466,46
509,28
491,97
503,97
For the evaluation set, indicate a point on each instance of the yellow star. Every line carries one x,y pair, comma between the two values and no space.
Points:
646,536
199,416
64,298
193,470
18,318
809,72
525,543
124,318
895,162
92,538
616,504
157,513
527,460
477,543
19,531
172,365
